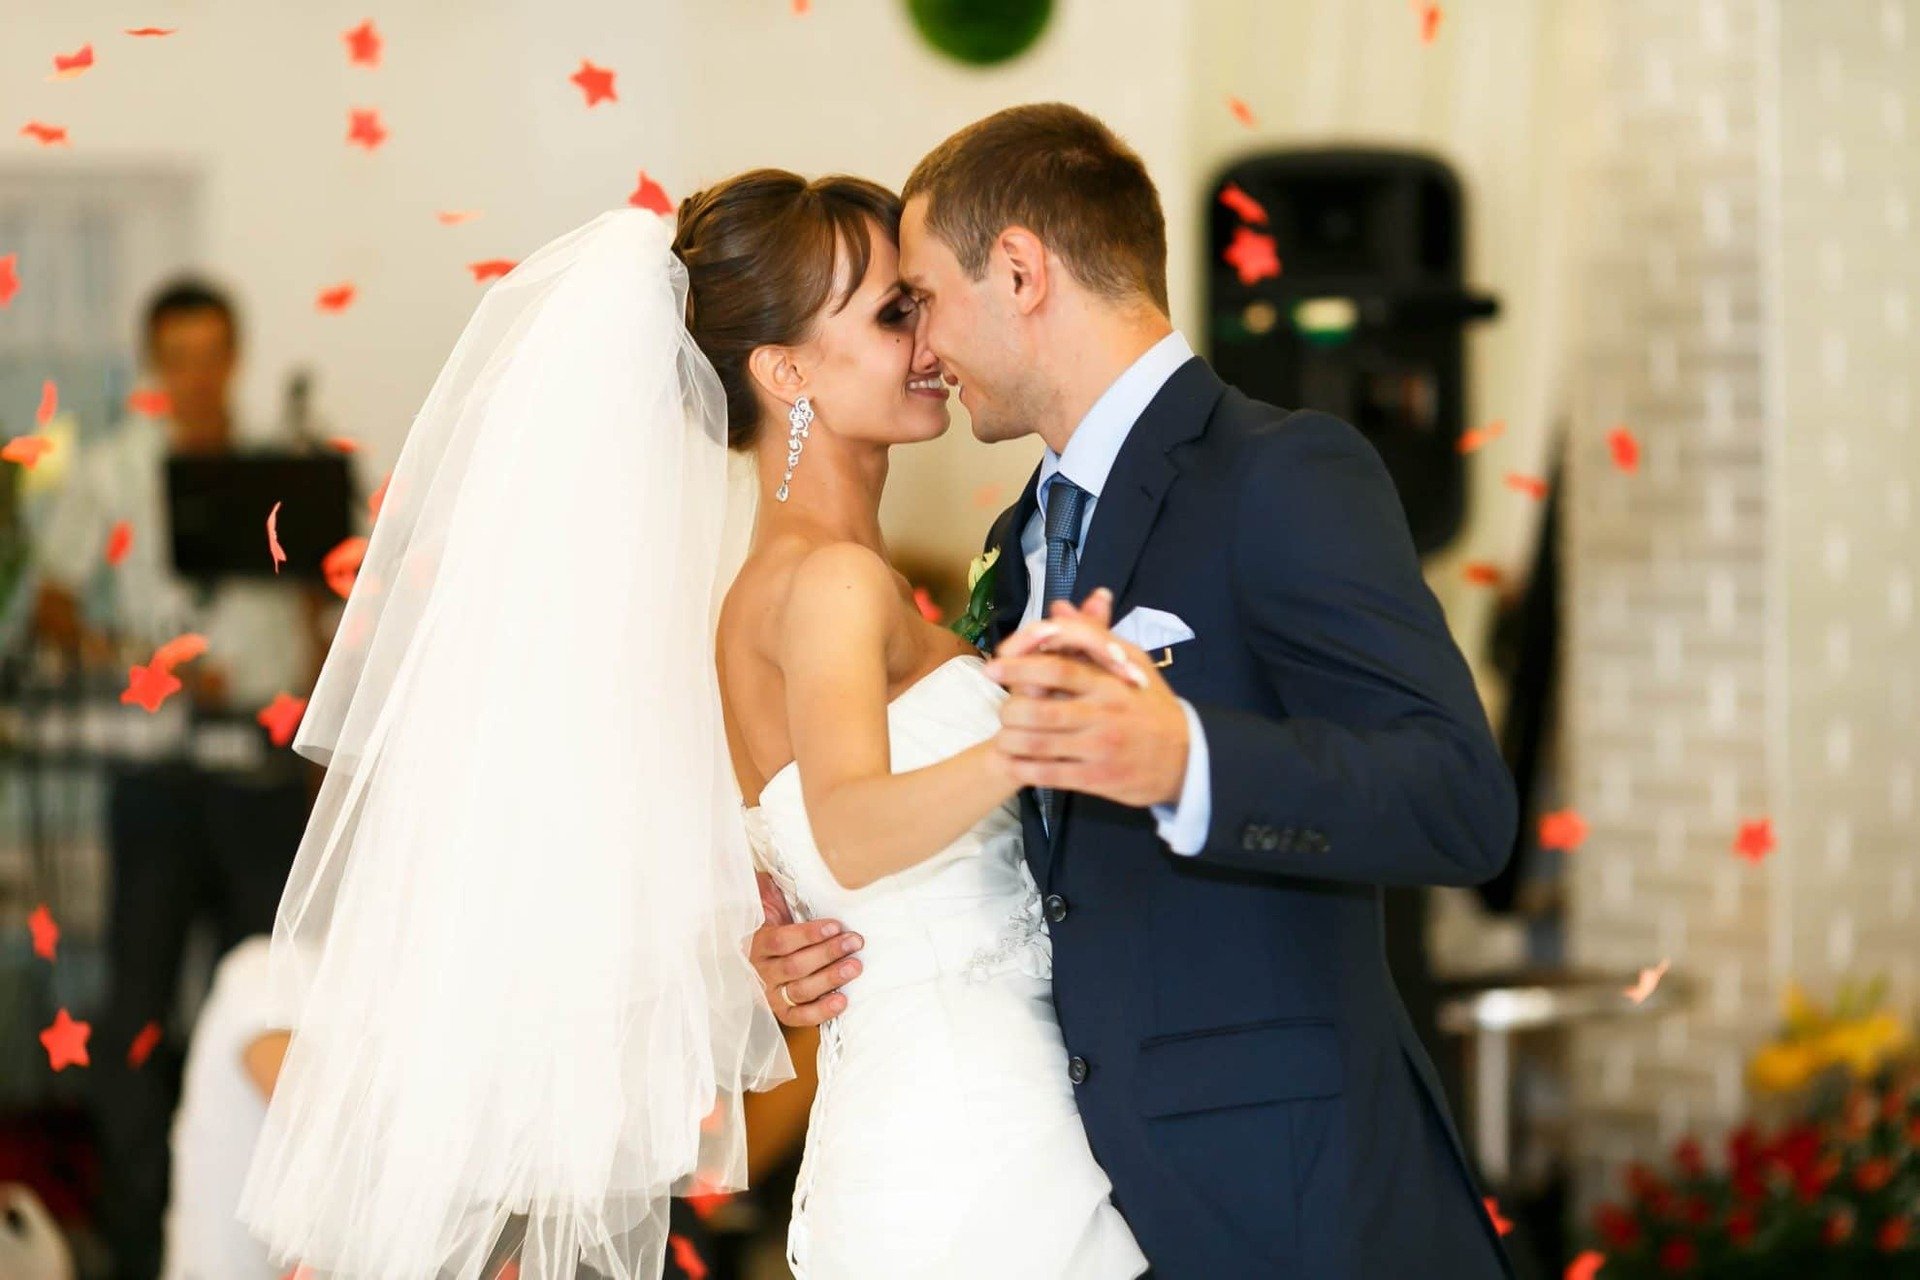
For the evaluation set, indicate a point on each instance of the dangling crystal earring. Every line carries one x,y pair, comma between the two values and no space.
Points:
799,418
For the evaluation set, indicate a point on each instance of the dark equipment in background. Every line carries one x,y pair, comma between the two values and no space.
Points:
218,507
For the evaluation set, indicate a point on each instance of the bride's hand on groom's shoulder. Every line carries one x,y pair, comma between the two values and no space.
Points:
1087,711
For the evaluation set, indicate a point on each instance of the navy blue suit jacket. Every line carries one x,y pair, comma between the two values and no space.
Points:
1248,1078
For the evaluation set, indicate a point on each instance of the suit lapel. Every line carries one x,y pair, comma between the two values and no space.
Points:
1010,584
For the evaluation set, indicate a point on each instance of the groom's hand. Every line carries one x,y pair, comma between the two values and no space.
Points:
801,965
1089,712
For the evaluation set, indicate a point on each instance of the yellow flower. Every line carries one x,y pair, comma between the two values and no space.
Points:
1782,1068
981,564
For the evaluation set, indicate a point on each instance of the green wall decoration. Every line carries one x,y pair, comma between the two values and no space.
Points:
981,32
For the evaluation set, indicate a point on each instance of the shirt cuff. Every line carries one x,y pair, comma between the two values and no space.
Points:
1183,824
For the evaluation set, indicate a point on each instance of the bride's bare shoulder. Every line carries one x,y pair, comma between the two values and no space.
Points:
757,600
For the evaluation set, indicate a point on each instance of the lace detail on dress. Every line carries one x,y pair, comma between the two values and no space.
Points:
1023,940
767,854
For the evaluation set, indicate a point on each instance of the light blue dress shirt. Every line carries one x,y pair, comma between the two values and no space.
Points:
1091,449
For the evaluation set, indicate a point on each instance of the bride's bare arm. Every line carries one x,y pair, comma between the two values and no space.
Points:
867,820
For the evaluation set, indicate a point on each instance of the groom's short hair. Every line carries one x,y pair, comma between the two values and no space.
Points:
1063,175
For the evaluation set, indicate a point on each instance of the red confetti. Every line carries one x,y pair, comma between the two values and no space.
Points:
379,497
1480,437
66,1042
149,686
9,277
119,541
46,934
491,269
595,82
150,404
364,128
143,1045
685,1257
923,601
49,404
343,444
336,299
281,717
800,8
1648,981
1481,574
1253,255
1532,486
705,1200
1626,449
151,31
68,65
47,135
510,1270
274,548
1430,16
1500,1225
987,496
454,217
181,649
1563,829
26,450
342,564
1755,840
363,45
648,194
1586,1266
1243,205
1242,112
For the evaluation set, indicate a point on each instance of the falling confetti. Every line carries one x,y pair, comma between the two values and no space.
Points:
800,8
335,299
47,135
149,686
181,649
491,269
923,601
705,1200
273,538
595,82
379,497
1586,1266
1626,449
343,444
9,277
143,1045
49,404
66,1042
364,128
1501,1225
454,217
119,542
1481,574
281,717
151,32
26,450
1755,840
1648,981
342,564
987,497
46,934
363,45
150,404
1480,437
1532,486
1563,829
1243,205
1242,112
1430,15
68,65
1253,255
648,194
686,1258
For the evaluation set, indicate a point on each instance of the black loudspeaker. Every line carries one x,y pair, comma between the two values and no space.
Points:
1365,315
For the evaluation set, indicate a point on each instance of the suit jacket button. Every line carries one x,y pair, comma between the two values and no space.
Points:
1056,908
1077,1069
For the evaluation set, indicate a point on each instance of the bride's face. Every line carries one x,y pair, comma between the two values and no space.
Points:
870,378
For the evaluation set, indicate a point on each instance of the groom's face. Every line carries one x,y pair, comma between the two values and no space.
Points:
969,328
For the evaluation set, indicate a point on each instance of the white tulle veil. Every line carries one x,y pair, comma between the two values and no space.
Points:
512,947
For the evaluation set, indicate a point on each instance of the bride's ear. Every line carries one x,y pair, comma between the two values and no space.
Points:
776,371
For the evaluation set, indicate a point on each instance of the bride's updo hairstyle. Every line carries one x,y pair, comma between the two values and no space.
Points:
760,250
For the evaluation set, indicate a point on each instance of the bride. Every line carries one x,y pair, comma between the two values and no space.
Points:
513,943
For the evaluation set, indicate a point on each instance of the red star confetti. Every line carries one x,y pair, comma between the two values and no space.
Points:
150,404
26,450
595,82
379,497
1481,574
1532,486
923,601
151,32
149,686
1755,840
274,548
335,299
49,404
343,444
66,1042
364,128
1480,437
1563,829
68,65
363,45
1500,1225
47,135
454,217
686,1258
1626,449
1430,16
119,542
1242,112
1649,979
281,717
46,934
1244,206
1253,255
143,1045
342,564
1586,1265
181,649
648,194
9,277
490,269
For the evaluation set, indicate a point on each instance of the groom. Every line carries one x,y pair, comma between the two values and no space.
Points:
1211,838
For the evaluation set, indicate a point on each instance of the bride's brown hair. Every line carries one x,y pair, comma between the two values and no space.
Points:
761,250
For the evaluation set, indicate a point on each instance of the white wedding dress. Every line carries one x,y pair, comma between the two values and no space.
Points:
944,1141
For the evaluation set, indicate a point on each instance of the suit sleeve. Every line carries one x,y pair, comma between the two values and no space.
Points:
1380,767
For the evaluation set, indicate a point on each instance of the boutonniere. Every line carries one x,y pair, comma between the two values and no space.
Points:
972,624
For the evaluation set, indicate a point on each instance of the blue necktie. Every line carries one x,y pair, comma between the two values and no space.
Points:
1066,502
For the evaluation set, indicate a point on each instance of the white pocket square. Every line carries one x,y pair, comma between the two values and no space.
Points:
1152,629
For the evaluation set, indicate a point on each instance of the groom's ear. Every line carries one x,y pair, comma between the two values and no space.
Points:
1026,259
